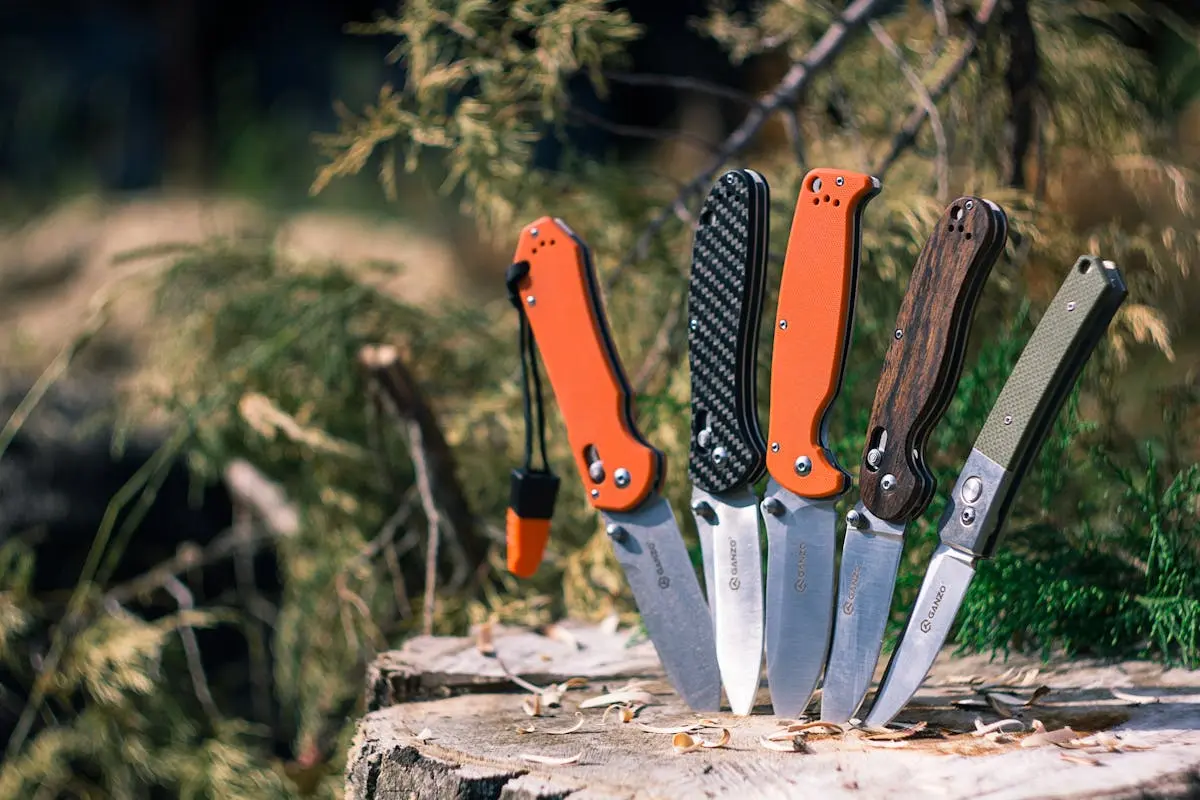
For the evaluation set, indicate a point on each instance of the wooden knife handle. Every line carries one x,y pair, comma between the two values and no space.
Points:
813,323
562,301
923,363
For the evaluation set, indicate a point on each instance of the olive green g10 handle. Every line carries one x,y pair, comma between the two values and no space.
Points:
1029,403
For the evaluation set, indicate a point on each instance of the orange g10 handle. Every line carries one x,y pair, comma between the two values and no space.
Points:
812,329
561,299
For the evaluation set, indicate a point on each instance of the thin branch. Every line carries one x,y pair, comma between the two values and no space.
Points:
683,83
434,520
907,134
791,123
785,94
191,649
256,640
662,348
942,164
643,132
943,21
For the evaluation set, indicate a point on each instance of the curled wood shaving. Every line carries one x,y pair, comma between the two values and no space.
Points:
724,740
1041,737
532,705
971,703
1038,694
526,729
708,722
1076,758
552,695
560,634
818,725
686,743
1000,707
424,736
562,732
1134,699
483,640
892,736
610,624
793,743
996,727
677,729
550,760
623,696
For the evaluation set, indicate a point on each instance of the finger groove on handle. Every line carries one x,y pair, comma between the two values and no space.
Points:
560,297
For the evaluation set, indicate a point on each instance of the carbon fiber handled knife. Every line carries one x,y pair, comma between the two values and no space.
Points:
727,453
813,325
1025,411
620,471
920,372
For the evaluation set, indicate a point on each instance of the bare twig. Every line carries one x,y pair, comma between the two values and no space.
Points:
791,122
434,520
662,348
942,163
247,588
191,648
943,21
262,495
907,134
641,131
681,82
399,586
785,94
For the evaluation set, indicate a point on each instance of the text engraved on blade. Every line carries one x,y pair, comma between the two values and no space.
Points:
801,584
927,623
735,582
848,606
663,581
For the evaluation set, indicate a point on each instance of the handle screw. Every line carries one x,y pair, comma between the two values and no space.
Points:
888,482
968,515
621,477
595,493
694,324
855,519
969,204
533,232
719,455
874,456
783,324
803,465
899,334
1071,306
703,510
1008,419
531,300
616,533
774,447
840,180
773,507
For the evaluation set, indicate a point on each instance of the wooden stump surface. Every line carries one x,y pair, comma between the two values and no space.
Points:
446,720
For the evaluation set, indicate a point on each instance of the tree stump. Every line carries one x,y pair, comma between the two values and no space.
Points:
446,720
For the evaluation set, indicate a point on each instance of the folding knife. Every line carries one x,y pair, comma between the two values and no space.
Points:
620,470
920,372
727,452
1015,429
813,324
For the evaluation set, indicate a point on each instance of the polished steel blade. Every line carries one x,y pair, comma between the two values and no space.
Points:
730,522
801,546
705,533
946,581
870,559
651,551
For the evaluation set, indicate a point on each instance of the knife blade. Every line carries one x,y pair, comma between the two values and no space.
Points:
727,453
1018,423
813,324
621,472
920,372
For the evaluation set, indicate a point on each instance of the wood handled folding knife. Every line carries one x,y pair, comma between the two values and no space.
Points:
920,373
813,325
620,471
727,453
1014,431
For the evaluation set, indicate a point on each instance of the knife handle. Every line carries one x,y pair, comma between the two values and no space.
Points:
1030,401
562,301
725,294
813,323
923,363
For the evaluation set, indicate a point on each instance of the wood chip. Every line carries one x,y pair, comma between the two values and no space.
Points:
1042,737
686,743
564,731
628,694
550,760
483,640
996,727
1038,694
724,740
892,736
818,725
792,744
1134,699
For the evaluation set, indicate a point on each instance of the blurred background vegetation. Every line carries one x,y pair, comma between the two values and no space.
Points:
214,506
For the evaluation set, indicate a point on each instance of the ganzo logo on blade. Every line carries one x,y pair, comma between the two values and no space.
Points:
663,580
927,623
848,606
801,584
735,582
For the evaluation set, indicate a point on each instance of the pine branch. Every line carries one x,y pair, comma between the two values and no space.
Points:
785,94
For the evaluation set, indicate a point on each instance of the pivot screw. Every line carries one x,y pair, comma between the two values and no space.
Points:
774,447
888,482
616,533
773,507
899,334
783,324
803,465
969,204
621,477
874,456
855,519
704,437
719,455
968,515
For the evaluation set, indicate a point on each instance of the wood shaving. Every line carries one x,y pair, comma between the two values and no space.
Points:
884,742
483,640
792,744
686,743
424,736
724,740
892,736
818,725
550,760
1001,707
560,634
971,703
1133,699
1038,694
709,722
671,730
1042,737
526,729
996,727
532,705
625,697
564,731
1076,758
610,624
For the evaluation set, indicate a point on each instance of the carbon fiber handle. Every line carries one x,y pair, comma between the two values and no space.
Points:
725,295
